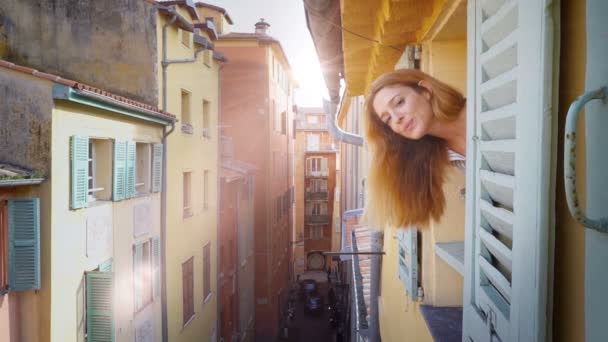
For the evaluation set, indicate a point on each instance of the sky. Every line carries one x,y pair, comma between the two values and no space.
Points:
288,25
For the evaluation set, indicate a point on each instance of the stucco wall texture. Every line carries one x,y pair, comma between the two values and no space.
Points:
107,44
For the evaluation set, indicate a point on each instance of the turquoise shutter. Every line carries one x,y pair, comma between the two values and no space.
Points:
130,170
79,155
157,167
24,244
120,166
137,275
100,306
106,266
156,269
408,260
508,170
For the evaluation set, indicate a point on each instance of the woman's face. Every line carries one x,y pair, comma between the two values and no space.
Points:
406,111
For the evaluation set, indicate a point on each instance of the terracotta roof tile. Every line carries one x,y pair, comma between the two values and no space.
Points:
81,86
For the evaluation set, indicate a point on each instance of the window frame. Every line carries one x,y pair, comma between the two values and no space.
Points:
207,292
188,311
187,194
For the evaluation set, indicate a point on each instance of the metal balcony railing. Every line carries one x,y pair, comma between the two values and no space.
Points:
323,147
319,219
317,196
322,173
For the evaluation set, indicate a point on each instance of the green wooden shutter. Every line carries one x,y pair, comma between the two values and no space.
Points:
130,170
508,169
408,260
157,167
79,155
138,254
106,266
100,306
156,267
120,166
24,244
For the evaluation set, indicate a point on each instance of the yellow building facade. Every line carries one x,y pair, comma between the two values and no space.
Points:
96,224
189,76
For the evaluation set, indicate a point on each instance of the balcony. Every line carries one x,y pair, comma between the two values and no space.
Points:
317,219
324,147
317,196
321,173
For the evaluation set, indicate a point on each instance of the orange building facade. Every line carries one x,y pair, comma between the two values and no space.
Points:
256,113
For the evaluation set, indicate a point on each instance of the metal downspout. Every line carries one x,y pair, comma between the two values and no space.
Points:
374,324
332,110
217,207
163,237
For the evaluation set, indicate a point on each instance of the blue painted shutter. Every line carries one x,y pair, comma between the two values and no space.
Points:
408,260
130,170
138,254
508,169
120,167
157,167
100,306
24,244
156,267
79,155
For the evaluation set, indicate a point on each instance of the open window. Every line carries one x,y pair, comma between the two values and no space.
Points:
143,181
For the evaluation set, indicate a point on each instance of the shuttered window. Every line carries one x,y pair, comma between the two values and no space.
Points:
188,290
156,266
206,271
120,170
157,167
408,260
79,156
508,174
24,244
100,307
131,170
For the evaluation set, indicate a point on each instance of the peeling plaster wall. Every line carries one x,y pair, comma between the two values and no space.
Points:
107,44
25,120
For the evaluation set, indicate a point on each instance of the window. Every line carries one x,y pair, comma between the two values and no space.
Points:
188,290
316,232
207,272
187,194
186,114
283,123
312,119
206,189
316,166
316,208
143,167
142,274
317,185
186,38
313,142
206,119
99,170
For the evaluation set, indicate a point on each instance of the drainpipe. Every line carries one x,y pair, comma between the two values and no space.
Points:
218,180
163,237
374,325
332,110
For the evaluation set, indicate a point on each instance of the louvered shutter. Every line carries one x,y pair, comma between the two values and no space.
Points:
79,155
120,167
130,170
408,260
508,169
157,167
156,269
106,266
100,306
137,275
24,244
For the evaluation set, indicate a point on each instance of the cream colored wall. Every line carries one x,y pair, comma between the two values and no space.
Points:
68,236
400,318
191,152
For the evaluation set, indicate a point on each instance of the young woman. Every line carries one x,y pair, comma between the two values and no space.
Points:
415,127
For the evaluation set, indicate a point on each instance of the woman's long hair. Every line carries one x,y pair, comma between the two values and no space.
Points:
405,179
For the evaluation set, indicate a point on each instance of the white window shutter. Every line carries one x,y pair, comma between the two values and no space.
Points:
510,56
